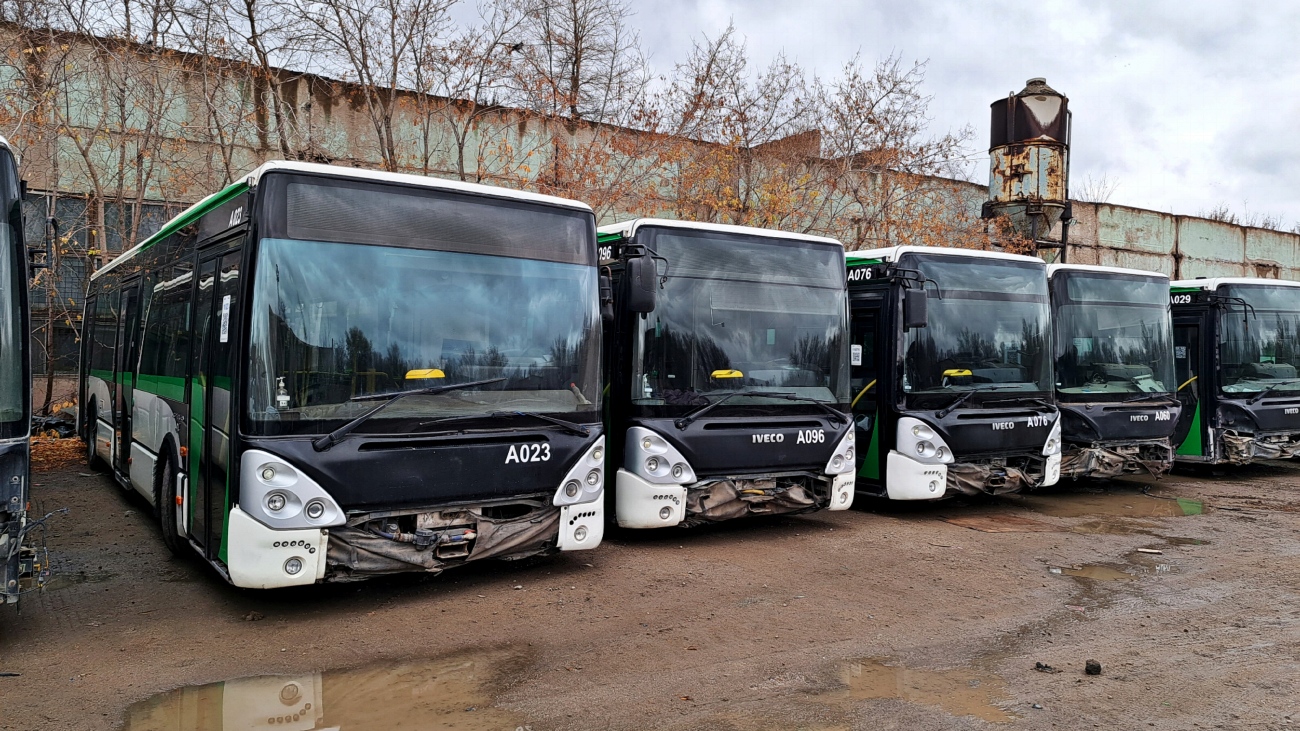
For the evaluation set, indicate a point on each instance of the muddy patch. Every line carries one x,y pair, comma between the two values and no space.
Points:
76,578
960,692
1098,572
1114,504
453,692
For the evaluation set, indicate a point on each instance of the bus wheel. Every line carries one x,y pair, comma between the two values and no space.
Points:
93,460
165,499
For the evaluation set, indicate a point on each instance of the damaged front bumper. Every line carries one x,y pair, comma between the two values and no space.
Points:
641,504
1247,448
1154,457
371,545
1003,475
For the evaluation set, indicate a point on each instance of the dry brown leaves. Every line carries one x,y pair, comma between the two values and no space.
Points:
51,453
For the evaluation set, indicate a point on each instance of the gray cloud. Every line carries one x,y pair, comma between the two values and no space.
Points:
1185,104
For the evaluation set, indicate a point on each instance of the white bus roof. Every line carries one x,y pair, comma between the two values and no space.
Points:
894,252
408,179
628,229
1054,268
1214,283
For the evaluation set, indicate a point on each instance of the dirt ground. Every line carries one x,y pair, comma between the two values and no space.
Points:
883,617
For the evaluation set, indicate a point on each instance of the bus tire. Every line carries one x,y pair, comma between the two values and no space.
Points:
164,491
93,460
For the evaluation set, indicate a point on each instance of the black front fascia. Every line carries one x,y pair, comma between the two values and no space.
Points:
381,473
988,432
1111,422
752,445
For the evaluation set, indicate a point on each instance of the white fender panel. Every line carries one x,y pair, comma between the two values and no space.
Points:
255,554
907,479
586,520
1052,472
141,470
638,504
842,491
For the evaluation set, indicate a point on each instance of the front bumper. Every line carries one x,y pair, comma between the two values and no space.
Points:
1247,448
641,504
908,479
1114,459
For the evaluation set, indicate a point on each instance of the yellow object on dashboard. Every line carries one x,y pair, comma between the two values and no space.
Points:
421,373
728,373
956,372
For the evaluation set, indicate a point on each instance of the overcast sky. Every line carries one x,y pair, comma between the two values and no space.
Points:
1186,105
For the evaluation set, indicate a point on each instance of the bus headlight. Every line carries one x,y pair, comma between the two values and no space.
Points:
920,441
278,495
1053,444
841,460
315,509
652,458
585,479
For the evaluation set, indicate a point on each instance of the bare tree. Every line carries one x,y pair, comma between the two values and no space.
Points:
379,44
1096,190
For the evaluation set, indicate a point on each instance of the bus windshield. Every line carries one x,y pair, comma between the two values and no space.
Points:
986,330
742,313
334,321
1259,342
1113,336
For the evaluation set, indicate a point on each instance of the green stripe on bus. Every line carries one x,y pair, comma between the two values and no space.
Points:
168,387
186,217
871,463
1192,446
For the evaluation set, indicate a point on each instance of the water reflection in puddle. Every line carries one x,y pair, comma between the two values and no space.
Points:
63,581
453,692
1093,571
959,692
1121,504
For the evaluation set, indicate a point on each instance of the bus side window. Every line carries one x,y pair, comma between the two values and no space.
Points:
105,332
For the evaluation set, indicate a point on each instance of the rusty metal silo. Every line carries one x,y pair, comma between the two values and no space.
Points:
1029,153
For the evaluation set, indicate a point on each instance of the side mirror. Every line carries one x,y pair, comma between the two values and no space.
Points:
915,304
606,298
642,276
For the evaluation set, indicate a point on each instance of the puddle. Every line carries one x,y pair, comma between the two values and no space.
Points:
453,692
1093,571
1181,541
1120,504
63,581
959,692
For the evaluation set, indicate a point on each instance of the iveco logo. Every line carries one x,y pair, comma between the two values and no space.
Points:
1003,425
1292,410
1140,417
768,438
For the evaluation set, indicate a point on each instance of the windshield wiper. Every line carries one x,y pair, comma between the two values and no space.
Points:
1160,398
1035,400
941,413
1271,389
685,421
836,416
328,440
569,426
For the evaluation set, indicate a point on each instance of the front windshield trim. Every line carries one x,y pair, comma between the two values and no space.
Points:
1250,364
741,312
357,321
1112,344
986,333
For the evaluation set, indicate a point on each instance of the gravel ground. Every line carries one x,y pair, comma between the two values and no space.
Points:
882,617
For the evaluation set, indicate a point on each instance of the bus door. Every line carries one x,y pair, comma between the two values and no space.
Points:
211,404
864,388
124,365
1189,339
